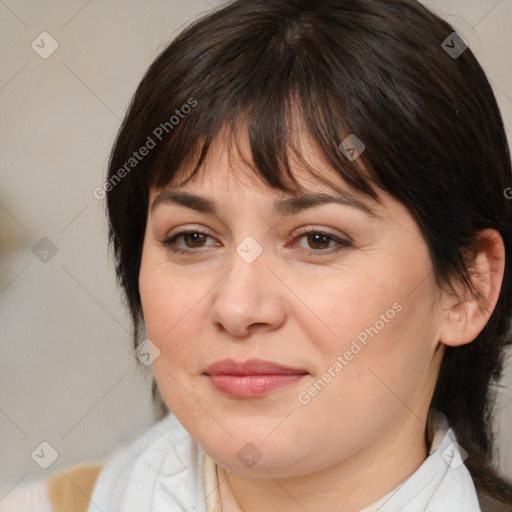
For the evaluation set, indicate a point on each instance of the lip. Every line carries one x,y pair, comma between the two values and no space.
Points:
251,378
251,367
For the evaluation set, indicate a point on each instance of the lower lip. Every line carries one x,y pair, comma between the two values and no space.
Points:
247,386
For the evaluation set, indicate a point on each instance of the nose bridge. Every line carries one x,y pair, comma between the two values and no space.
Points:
248,272
245,295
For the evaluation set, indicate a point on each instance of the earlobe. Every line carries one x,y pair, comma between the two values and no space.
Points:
466,318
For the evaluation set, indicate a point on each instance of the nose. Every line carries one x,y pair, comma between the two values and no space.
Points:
248,298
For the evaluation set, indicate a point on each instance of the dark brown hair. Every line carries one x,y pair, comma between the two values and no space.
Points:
429,120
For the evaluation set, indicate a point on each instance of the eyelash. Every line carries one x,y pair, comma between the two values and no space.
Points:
342,244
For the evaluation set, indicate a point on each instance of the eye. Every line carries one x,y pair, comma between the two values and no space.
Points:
193,239
320,241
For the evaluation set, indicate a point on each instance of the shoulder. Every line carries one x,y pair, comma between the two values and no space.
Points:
164,458
164,465
65,490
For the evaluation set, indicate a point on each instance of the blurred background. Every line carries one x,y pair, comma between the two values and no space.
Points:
70,387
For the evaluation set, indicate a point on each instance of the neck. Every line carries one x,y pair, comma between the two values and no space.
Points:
349,485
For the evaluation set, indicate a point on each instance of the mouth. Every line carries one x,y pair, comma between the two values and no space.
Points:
251,378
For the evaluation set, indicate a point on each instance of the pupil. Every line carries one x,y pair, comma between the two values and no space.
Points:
317,236
195,237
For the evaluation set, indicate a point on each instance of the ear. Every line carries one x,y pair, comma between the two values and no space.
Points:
465,319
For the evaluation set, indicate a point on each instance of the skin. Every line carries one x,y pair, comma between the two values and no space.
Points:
363,433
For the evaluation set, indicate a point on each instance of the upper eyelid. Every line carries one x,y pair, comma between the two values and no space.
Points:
302,230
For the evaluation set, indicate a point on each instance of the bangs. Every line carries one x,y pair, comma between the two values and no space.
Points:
283,99
280,143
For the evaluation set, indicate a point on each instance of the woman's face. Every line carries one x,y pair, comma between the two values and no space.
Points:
347,312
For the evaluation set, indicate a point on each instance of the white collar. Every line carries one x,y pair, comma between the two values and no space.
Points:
165,470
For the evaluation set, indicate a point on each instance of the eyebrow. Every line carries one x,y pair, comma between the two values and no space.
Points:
280,207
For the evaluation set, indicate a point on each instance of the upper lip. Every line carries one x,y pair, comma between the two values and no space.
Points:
251,367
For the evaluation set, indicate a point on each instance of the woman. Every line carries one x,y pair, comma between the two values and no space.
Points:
308,212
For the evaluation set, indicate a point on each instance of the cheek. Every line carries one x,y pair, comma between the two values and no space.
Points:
353,306
375,318
170,308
